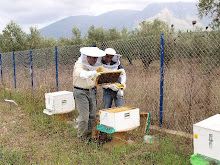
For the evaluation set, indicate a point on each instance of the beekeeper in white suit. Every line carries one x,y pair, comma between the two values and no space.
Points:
113,91
84,78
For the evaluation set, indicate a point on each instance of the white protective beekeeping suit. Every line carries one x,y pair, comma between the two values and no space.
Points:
114,66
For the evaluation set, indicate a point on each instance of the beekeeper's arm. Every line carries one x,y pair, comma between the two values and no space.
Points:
93,74
89,74
123,80
84,74
122,76
116,86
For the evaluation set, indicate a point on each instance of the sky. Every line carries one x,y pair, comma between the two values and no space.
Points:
40,13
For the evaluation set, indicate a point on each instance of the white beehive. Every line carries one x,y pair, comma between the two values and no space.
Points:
207,137
59,102
120,118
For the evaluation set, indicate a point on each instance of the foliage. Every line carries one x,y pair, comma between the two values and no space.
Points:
96,34
149,50
13,38
124,33
65,41
77,36
210,8
147,28
34,39
48,42
112,34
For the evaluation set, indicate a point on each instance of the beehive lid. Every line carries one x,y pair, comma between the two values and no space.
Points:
58,93
118,109
212,123
108,77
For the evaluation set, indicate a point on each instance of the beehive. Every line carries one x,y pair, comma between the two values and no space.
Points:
120,118
207,137
59,102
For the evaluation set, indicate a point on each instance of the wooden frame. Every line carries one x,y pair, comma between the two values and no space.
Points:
108,77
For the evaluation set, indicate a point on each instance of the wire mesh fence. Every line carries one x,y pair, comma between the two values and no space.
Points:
191,90
191,74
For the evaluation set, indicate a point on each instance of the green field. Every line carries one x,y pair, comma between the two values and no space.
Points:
27,136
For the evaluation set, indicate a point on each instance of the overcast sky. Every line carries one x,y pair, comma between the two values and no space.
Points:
39,13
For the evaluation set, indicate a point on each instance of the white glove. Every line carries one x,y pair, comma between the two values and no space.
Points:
114,87
93,74
122,72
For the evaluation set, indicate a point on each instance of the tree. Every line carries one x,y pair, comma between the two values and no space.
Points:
1,43
64,41
112,34
34,39
124,32
13,38
96,34
148,46
48,42
147,28
212,8
76,35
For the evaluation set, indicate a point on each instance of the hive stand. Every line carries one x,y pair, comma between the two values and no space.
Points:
119,138
61,117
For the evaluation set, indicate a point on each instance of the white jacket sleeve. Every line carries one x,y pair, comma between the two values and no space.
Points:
84,74
88,74
123,78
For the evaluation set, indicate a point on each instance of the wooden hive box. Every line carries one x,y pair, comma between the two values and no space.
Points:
120,118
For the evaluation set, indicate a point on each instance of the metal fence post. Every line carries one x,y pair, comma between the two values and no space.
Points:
56,68
32,81
161,78
1,68
14,69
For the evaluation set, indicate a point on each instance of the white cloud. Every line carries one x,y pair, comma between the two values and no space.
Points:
39,13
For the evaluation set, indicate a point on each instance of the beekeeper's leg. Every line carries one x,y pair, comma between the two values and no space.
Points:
92,113
119,102
107,98
82,104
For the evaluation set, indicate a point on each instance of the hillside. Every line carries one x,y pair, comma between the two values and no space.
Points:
179,14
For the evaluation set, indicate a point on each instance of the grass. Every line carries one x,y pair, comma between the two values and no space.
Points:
27,136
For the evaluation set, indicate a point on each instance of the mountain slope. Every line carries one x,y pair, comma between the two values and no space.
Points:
179,14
